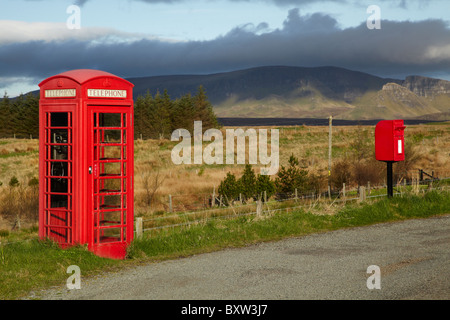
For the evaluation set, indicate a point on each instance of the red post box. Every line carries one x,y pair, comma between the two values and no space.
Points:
390,141
390,146
86,161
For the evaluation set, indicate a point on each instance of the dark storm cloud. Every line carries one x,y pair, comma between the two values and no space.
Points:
311,40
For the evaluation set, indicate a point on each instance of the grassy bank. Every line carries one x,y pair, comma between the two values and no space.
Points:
29,264
217,234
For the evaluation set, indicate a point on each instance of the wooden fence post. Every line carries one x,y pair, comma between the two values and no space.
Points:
170,203
258,207
139,227
362,194
343,191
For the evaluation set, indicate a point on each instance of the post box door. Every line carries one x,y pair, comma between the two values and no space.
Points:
110,175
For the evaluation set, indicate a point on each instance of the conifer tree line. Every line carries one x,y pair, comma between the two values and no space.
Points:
155,116
158,116
19,117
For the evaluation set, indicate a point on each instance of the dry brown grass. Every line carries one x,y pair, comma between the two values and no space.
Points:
192,185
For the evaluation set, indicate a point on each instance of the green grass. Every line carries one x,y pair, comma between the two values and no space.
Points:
18,154
218,234
33,265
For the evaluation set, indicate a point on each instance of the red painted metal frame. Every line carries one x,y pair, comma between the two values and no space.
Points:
68,93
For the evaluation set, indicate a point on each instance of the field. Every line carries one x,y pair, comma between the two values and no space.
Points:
191,186
27,264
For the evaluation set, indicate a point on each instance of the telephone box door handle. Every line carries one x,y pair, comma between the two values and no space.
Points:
90,170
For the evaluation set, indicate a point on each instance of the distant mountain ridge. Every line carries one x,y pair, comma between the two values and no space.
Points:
299,92
315,92
260,82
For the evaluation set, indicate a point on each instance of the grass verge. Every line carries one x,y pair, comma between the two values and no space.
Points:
217,234
33,265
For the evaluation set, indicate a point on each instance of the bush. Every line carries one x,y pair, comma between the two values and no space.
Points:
229,189
412,158
368,171
263,183
341,173
248,186
13,182
19,201
247,183
291,178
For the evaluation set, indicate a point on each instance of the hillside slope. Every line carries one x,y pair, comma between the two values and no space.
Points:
297,92
293,92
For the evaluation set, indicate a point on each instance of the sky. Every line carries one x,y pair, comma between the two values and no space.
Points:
137,38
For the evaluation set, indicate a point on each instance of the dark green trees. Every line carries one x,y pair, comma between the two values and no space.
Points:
289,179
158,116
154,116
19,117
248,186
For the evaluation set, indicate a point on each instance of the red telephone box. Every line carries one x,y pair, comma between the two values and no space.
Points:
86,161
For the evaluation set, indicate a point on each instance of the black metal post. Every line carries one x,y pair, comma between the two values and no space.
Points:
390,179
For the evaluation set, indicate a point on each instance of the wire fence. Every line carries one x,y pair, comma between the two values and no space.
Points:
260,207
202,201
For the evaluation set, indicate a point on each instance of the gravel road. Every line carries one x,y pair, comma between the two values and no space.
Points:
413,257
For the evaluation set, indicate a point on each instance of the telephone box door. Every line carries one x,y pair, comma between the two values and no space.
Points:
110,170
56,170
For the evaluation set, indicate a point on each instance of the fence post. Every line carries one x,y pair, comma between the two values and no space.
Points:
139,227
258,207
362,194
343,191
329,192
265,197
213,200
170,203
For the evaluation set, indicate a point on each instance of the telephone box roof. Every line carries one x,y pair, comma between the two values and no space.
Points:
83,75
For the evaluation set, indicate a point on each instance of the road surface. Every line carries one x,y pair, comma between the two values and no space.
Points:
412,256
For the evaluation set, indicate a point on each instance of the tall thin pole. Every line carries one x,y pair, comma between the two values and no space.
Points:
330,141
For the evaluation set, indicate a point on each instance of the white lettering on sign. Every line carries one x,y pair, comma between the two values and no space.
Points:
61,93
103,93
